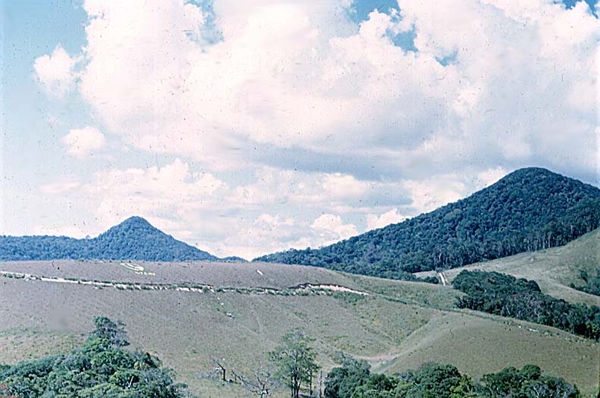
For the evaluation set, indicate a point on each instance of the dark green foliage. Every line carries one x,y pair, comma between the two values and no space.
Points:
234,259
295,361
113,332
445,381
377,386
508,296
133,239
525,383
527,210
342,381
101,368
433,380
591,284
354,380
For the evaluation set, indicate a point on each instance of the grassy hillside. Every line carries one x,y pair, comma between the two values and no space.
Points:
554,269
483,345
529,209
396,326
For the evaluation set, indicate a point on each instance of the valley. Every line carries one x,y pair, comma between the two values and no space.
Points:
366,296
241,314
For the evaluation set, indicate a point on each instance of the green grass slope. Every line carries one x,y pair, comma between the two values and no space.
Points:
554,269
479,345
397,325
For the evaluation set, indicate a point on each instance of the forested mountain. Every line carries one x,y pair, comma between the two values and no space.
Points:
133,239
527,210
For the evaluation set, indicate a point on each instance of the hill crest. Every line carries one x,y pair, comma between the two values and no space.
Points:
527,210
133,239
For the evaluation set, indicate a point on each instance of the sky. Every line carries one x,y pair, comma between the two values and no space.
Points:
246,128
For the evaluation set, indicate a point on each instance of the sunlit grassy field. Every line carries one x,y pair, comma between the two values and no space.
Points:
397,325
554,269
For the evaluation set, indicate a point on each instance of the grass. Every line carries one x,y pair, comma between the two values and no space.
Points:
478,345
554,269
397,326
19,344
424,294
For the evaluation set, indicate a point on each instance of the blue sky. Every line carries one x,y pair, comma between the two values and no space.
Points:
246,128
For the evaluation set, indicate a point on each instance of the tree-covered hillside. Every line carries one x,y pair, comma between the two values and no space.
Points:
507,296
529,209
133,239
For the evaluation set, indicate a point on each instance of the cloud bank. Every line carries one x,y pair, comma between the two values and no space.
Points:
338,128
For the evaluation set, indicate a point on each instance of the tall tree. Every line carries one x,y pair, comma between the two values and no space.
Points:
295,361
342,381
114,332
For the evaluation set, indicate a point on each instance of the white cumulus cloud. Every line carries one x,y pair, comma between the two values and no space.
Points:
299,127
332,228
390,217
55,72
83,142
300,74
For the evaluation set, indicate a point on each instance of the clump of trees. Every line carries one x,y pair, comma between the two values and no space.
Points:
507,296
343,380
354,380
102,367
591,284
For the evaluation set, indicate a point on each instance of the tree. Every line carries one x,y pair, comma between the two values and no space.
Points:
527,382
295,361
221,368
263,383
342,381
114,332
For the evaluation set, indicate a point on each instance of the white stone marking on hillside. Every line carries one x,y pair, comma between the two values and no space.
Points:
133,267
142,286
443,278
336,288
138,269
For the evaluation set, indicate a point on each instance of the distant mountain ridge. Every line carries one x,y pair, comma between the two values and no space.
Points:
527,210
133,239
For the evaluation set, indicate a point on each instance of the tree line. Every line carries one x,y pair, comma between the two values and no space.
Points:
507,296
591,283
353,379
103,367
295,367
528,210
